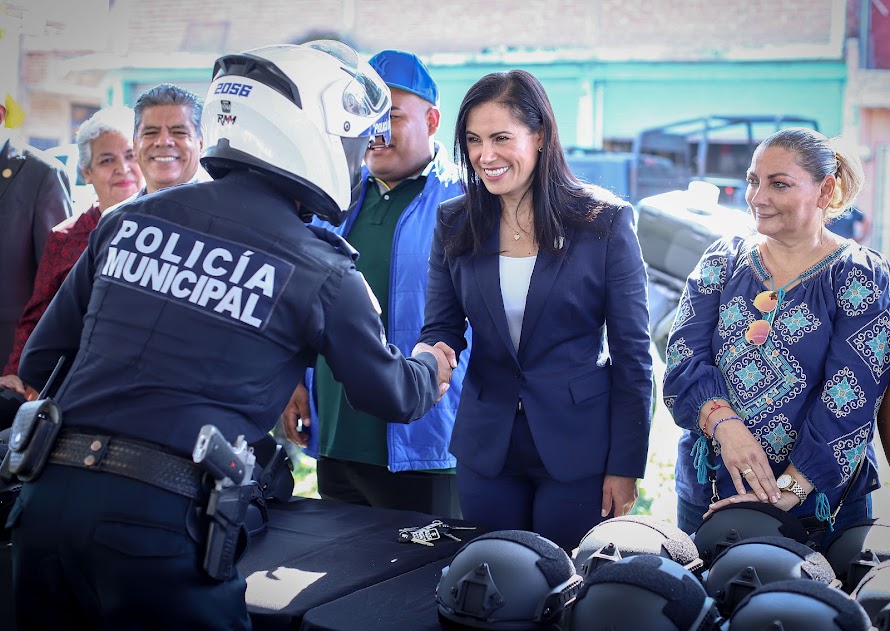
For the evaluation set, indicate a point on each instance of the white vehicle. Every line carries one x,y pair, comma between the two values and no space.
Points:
675,228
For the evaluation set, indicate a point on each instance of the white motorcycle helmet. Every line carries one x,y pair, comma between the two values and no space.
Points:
305,113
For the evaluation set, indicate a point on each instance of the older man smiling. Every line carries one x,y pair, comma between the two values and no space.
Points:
168,140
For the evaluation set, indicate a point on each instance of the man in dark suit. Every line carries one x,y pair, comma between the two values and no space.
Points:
35,195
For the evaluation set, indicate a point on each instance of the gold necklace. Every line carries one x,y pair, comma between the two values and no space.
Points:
517,234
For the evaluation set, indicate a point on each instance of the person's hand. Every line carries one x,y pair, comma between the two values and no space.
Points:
14,383
446,359
786,502
746,461
296,415
619,493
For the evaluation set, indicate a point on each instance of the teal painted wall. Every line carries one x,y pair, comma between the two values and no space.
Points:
630,105
136,82
562,81
633,95
640,95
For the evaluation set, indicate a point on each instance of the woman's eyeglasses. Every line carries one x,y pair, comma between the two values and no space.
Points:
766,302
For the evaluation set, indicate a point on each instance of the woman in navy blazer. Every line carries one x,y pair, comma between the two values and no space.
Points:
553,426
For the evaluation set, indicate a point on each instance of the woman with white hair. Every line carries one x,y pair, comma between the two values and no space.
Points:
107,161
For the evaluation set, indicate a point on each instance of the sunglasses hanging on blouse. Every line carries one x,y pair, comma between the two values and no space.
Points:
767,302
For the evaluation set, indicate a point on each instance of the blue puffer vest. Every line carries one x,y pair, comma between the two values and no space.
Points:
422,444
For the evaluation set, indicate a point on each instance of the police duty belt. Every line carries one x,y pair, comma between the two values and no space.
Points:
130,459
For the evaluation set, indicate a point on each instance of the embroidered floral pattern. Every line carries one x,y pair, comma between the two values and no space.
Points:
793,324
857,293
871,345
712,274
733,314
749,374
676,353
684,312
842,393
760,378
777,437
850,448
815,381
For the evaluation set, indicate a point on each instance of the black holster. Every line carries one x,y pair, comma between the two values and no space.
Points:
227,536
31,438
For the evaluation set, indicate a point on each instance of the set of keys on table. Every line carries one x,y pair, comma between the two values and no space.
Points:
426,535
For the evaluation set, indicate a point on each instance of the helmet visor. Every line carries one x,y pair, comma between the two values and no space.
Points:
381,128
354,150
363,96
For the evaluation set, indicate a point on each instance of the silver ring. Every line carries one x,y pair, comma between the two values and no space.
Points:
746,471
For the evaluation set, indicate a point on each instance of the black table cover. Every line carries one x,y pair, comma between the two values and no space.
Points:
316,551
403,603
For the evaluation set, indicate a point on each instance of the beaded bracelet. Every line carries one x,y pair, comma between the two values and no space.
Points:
717,424
714,409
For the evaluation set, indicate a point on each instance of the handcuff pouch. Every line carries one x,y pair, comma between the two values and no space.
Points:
31,439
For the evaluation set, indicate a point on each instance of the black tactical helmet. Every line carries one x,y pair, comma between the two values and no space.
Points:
507,579
742,521
857,549
795,605
873,591
632,535
644,592
746,565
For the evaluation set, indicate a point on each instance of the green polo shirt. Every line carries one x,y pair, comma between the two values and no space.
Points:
344,432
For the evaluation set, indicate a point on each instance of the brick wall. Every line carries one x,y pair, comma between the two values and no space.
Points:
35,67
713,25
162,25
48,116
468,26
685,30
677,29
691,27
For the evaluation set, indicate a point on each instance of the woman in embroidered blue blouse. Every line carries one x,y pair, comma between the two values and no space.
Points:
778,359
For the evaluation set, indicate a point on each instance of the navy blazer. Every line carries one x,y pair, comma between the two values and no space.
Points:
587,402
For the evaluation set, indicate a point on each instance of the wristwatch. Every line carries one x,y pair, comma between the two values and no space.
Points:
787,483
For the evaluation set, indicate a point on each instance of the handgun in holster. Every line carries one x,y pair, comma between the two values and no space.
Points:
231,468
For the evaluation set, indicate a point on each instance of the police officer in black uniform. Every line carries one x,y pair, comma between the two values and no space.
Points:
204,304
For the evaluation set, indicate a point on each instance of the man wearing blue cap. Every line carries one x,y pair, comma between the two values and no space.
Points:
361,459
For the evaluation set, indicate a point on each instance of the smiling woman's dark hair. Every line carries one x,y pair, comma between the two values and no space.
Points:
558,198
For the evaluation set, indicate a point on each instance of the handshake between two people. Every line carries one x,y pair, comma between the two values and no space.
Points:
446,360
296,417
